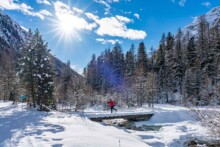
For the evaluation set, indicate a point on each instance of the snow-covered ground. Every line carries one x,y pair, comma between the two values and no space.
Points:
19,127
178,125
26,128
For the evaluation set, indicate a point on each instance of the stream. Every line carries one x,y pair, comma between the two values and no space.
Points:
131,125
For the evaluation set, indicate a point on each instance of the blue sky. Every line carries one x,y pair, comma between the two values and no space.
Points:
76,29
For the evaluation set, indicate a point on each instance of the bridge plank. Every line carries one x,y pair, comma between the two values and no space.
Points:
131,117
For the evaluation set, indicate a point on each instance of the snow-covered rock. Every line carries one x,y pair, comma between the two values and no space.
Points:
212,17
11,33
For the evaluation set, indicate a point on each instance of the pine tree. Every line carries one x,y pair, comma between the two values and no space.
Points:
27,67
178,71
66,87
203,40
44,72
108,69
191,52
8,80
142,61
169,55
118,65
213,54
203,47
91,73
151,63
130,65
141,74
36,70
160,62
193,82
151,88
100,73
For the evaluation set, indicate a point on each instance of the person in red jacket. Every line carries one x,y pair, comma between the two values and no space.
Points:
112,105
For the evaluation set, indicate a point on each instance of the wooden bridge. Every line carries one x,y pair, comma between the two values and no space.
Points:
126,116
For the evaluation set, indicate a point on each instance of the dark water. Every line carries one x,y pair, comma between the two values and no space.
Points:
146,128
197,142
131,125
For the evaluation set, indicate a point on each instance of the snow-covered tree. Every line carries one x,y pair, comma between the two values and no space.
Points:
169,63
9,83
178,65
118,65
44,73
142,61
191,52
161,70
27,67
35,70
130,66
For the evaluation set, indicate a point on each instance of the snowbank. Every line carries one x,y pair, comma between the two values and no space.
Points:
27,128
179,125
168,114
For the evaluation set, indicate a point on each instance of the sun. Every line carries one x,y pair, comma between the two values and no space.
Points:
66,27
66,24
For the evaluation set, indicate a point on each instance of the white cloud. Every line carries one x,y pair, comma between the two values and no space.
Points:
137,16
181,2
45,13
116,27
107,5
123,19
127,12
41,14
24,8
63,12
113,1
207,4
92,16
102,2
105,41
77,68
10,5
60,8
77,10
43,2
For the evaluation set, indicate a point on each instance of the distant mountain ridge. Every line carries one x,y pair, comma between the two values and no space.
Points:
212,17
12,36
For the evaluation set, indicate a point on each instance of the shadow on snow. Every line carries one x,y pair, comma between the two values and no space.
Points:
20,121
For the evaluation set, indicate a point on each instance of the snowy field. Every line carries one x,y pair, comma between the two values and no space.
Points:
178,126
27,128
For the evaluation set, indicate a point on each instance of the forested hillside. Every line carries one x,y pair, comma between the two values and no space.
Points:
13,39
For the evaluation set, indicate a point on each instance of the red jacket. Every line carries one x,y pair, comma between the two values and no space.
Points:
112,103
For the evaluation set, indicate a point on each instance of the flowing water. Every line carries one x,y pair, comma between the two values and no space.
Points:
131,125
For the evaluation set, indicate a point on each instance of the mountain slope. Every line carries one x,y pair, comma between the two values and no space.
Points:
212,17
12,37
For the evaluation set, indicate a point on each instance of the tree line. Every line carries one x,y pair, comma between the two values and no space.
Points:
184,69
